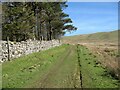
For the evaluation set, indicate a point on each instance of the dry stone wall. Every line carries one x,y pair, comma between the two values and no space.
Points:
24,47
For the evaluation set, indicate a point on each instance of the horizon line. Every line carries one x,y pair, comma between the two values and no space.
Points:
92,33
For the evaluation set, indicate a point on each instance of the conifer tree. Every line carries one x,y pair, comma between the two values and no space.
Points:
40,20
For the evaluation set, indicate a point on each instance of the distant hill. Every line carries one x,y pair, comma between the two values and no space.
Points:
95,37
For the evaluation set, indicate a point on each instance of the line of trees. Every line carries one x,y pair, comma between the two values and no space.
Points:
35,20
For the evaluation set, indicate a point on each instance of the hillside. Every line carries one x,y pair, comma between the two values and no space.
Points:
95,37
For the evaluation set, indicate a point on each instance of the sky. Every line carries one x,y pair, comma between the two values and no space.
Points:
92,17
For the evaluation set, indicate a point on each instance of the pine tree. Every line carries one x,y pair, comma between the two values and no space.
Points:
40,20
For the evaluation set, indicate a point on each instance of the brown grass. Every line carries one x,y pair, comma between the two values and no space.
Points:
108,60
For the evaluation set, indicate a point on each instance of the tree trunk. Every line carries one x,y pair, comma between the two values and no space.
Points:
50,35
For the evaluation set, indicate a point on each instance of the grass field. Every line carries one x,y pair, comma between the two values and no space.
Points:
94,75
57,68
103,44
111,37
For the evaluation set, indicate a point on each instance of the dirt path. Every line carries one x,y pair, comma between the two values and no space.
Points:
64,73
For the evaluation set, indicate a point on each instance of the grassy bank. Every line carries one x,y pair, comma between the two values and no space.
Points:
93,74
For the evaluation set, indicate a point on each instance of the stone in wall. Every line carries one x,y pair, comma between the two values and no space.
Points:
24,48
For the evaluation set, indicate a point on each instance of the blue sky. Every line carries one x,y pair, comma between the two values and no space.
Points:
91,17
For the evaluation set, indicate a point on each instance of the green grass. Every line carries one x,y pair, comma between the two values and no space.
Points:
51,68
57,68
20,72
92,72
60,75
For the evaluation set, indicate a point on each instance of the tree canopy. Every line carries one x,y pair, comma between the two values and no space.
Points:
39,20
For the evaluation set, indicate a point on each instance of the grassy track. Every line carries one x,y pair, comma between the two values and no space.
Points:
56,68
